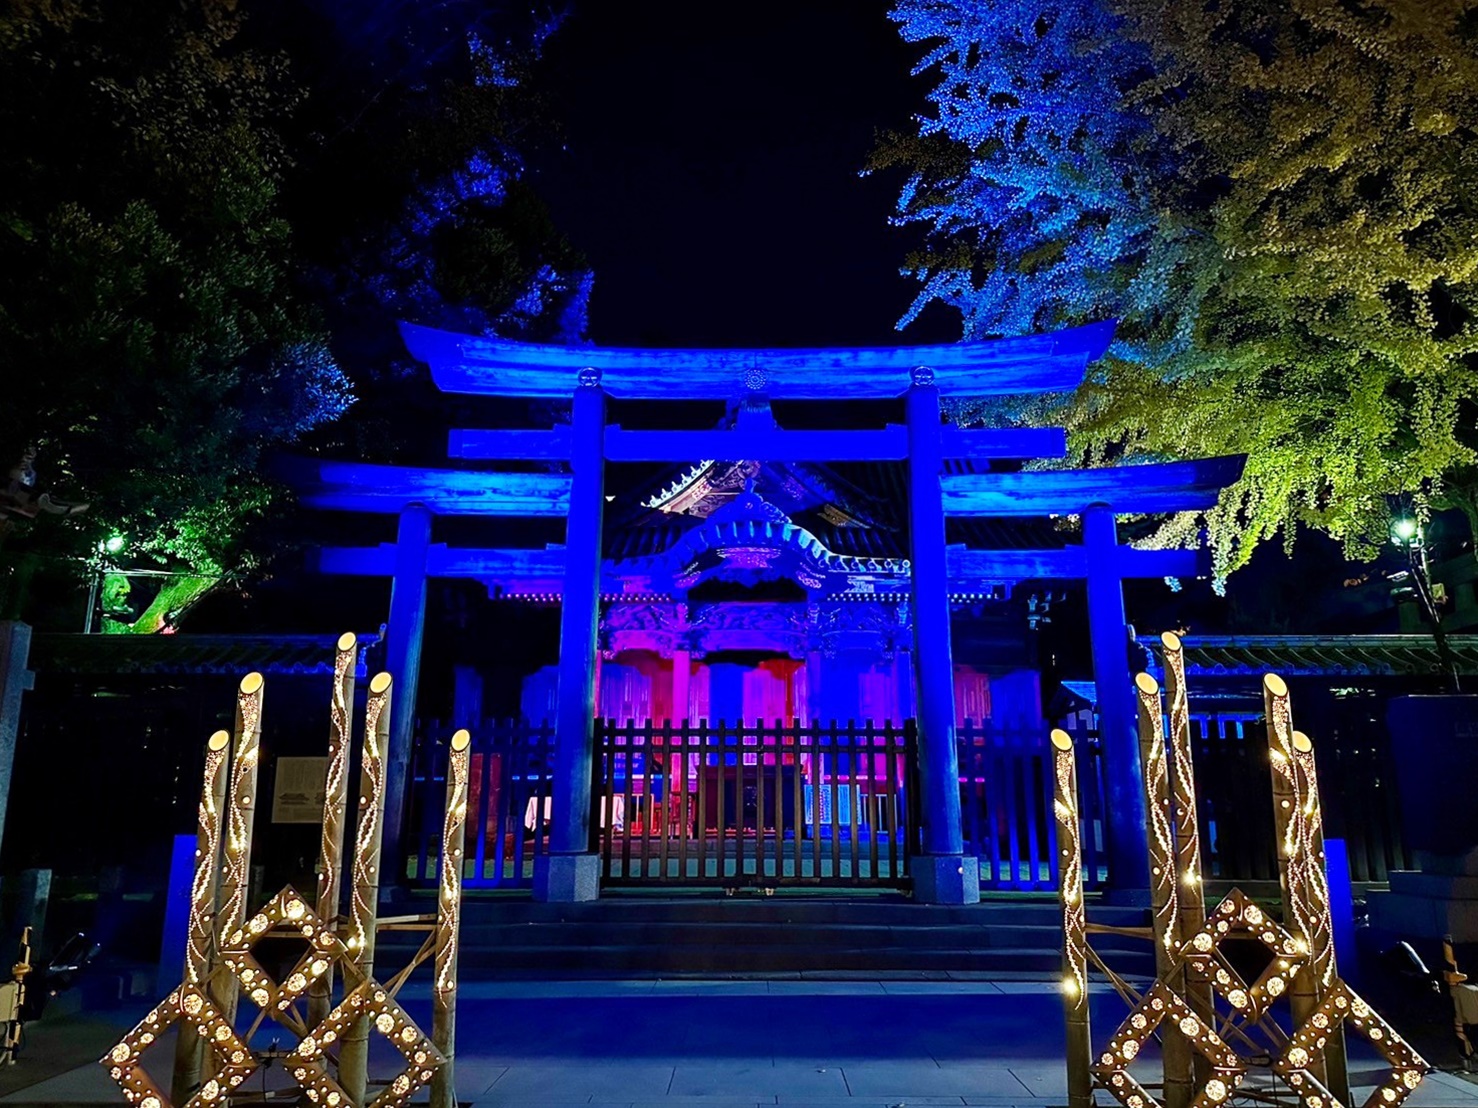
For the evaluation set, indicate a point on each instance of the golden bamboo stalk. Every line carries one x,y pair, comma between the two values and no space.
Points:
1291,830
240,813
1316,908
1074,921
1164,902
189,1058
448,921
335,800
1188,874
365,894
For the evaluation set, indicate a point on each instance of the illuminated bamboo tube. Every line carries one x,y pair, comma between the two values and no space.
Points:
240,812
449,920
1188,875
1074,921
189,1058
1322,970
365,893
335,800
1164,903
1183,793
1291,828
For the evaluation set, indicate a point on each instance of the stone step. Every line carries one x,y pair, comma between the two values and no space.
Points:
661,959
508,936
588,934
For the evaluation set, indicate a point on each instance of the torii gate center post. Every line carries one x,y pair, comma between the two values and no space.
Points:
924,376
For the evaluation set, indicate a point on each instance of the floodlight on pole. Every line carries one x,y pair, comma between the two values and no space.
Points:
114,543
1405,530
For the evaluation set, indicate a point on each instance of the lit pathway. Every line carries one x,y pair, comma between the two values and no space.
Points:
734,1044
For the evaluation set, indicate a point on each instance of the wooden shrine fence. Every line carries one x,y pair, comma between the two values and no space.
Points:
746,804
803,805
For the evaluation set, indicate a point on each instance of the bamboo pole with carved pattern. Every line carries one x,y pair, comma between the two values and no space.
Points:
1074,921
449,920
335,801
1188,873
365,891
189,1059
241,811
1176,1051
1290,829
1315,897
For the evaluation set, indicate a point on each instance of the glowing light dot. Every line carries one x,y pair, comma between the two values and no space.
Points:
1129,1050
120,1053
1189,1026
385,1022
1275,986
1411,1079
1216,1090
1237,999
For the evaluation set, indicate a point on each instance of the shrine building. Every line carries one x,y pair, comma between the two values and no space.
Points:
760,655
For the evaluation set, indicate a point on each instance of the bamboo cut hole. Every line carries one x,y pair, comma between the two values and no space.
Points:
251,683
1275,684
1061,739
218,741
380,683
347,641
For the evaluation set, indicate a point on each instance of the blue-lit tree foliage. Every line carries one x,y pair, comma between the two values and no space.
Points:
1277,199
1031,171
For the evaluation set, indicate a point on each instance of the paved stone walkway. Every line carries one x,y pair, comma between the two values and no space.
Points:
739,1044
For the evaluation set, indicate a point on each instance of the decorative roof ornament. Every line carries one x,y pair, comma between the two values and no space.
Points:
922,375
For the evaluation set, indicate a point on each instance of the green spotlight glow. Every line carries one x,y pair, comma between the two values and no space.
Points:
115,544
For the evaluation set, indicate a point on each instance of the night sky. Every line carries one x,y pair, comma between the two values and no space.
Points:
709,171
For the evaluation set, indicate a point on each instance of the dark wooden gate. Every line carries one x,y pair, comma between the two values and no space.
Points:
749,805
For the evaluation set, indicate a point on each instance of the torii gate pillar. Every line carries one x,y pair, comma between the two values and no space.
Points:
571,870
1118,720
942,872
405,633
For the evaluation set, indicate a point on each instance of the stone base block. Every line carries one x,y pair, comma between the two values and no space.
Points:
945,878
566,878
1424,905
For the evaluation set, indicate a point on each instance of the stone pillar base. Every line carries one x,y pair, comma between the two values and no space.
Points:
566,878
945,878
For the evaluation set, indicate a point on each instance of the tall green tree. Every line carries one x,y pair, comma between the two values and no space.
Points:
1307,293
151,344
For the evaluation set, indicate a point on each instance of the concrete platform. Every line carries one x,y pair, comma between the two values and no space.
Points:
738,1044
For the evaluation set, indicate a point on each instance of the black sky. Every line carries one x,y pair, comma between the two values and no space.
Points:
709,171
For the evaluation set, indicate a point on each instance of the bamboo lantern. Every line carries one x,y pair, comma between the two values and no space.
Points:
448,920
1164,902
335,801
200,936
1074,921
365,895
240,814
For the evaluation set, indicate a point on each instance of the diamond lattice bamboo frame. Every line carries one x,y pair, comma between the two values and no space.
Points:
219,962
1191,970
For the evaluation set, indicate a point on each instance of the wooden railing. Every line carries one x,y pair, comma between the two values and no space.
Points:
793,804
750,804
1006,806
507,802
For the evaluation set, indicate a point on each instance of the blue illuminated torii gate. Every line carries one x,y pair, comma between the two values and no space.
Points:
496,367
